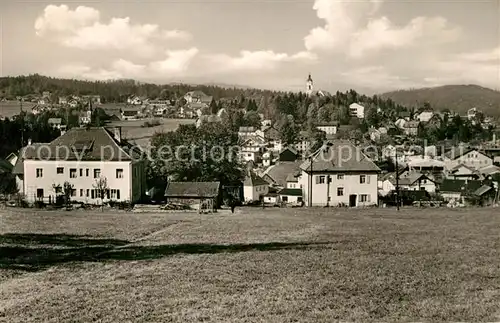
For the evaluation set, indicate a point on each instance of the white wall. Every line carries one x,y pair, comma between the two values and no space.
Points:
350,183
290,199
130,188
253,193
330,130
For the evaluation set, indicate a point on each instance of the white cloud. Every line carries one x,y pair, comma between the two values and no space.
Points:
177,61
350,27
81,28
256,60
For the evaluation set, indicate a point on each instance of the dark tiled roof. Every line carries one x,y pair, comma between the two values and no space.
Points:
253,179
83,144
340,156
192,189
291,192
291,149
456,185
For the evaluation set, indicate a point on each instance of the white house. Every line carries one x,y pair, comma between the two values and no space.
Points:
463,172
400,123
339,174
197,97
424,116
328,128
469,157
85,117
82,157
134,100
357,110
252,149
55,123
415,181
254,187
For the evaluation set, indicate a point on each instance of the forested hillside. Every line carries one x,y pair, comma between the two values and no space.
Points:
458,98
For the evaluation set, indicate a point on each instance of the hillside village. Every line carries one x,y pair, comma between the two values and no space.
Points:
397,155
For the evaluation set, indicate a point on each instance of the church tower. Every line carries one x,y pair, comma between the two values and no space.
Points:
309,86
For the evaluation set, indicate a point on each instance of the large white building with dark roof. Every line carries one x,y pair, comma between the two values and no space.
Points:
81,157
339,174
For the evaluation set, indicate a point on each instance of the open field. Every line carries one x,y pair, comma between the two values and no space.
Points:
132,129
294,265
8,109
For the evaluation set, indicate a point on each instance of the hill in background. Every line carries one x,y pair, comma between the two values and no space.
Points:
459,98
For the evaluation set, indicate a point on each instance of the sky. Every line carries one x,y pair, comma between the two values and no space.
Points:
371,46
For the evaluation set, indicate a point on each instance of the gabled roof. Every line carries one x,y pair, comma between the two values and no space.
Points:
292,177
482,190
291,149
90,144
411,177
457,152
278,173
192,189
291,192
456,168
253,179
339,156
490,170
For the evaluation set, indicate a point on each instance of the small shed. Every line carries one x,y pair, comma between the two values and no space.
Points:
206,195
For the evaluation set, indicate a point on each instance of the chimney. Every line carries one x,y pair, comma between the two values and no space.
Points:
118,133
29,142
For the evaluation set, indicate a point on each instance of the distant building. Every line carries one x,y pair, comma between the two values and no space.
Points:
357,110
197,97
309,86
330,128
207,119
254,187
411,128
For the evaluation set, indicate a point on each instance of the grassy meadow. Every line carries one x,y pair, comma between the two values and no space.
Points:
9,109
272,265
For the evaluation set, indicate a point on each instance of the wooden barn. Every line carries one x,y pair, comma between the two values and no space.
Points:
206,196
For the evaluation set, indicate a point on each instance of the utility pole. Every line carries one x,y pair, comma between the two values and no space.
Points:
310,181
397,180
328,190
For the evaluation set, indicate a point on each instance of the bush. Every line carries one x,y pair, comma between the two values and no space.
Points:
39,204
152,123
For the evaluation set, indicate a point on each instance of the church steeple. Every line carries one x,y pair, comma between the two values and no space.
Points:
309,85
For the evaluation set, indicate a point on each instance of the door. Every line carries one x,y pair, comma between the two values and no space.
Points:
352,200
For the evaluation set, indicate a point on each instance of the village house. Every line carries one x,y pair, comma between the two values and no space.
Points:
254,187
272,136
357,110
386,183
416,181
463,172
435,122
376,134
411,128
93,99
82,157
85,118
400,123
204,196
471,158
55,123
212,118
340,175
276,175
252,149
302,144
288,155
424,116
265,123
197,97
329,128
134,100
63,100
267,158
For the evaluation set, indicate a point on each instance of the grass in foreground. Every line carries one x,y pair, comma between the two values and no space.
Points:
254,266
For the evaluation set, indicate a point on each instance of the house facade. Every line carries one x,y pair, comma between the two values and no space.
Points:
254,187
357,110
328,128
83,157
471,158
339,174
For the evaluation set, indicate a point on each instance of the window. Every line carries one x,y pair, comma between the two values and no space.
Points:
320,179
340,176
81,191
87,172
284,198
39,172
72,173
364,198
88,193
93,195
97,173
329,199
340,191
81,172
73,192
39,193
299,199
119,173
60,170
115,194
362,179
